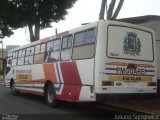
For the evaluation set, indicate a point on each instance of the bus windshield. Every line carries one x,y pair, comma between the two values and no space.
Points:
130,43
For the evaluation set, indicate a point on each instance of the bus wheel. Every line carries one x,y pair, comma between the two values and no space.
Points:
13,88
51,95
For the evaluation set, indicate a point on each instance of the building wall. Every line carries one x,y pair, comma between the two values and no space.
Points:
158,57
5,51
155,25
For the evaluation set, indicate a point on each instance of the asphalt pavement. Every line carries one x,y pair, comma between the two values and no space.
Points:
28,107
27,104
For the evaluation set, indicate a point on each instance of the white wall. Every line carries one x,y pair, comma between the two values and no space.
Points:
158,57
155,25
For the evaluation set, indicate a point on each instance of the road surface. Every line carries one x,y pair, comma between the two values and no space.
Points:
34,107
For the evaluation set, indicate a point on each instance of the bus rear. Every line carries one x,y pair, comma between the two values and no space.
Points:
125,60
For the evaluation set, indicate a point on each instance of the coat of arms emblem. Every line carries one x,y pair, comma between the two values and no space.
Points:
131,44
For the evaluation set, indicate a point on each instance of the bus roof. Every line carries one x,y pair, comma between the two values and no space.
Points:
78,29
72,31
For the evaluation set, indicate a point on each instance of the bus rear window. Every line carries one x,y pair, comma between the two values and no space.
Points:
129,43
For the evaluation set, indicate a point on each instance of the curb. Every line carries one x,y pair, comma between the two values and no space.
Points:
123,109
139,109
1,82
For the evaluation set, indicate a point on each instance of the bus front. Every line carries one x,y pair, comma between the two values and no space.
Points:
129,65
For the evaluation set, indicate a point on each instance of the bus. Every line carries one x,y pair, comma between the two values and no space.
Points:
86,64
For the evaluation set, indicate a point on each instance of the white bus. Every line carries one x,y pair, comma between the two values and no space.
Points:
85,64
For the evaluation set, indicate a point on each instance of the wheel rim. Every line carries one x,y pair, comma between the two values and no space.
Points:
50,95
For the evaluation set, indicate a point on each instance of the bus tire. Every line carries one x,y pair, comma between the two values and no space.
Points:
13,89
51,95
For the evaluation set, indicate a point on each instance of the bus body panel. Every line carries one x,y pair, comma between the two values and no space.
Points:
106,72
71,81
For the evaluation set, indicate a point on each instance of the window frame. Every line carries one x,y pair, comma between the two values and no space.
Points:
67,42
27,56
35,53
70,47
9,57
53,51
19,57
85,44
40,52
85,31
122,58
15,57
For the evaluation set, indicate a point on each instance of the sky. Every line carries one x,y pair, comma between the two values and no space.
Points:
85,11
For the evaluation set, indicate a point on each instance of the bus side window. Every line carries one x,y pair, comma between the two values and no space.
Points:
66,48
39,53
7,63
53,51
43,48
84,44
9,60
14,60
20,58
43,52
36,56
29,55
48,50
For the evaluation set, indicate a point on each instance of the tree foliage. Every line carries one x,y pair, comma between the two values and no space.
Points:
5,29
39,14
36,14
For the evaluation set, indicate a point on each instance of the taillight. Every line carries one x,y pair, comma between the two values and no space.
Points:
152,84
107,83
91,89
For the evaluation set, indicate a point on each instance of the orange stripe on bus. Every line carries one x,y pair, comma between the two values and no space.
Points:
33,92
49,72
30,82
62,34
45,39
24,82
117,63
126,64
40,81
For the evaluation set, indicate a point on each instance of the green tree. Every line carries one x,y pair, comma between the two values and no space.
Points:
38,14
5,29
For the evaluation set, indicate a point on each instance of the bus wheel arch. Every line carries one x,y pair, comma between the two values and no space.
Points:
50,93
12,87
